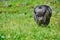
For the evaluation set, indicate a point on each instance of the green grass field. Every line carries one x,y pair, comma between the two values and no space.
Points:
17,22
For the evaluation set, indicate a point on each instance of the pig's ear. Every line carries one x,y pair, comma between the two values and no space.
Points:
47,14
34,11
50,10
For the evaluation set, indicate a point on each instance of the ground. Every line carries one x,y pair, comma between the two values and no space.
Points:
17,22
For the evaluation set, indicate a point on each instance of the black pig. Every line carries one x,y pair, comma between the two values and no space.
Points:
42,14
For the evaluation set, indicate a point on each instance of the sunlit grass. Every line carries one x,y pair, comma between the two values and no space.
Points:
17,22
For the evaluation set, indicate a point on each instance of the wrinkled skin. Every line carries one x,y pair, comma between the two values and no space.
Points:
42,14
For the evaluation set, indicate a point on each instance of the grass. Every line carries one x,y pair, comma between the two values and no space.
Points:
17,22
